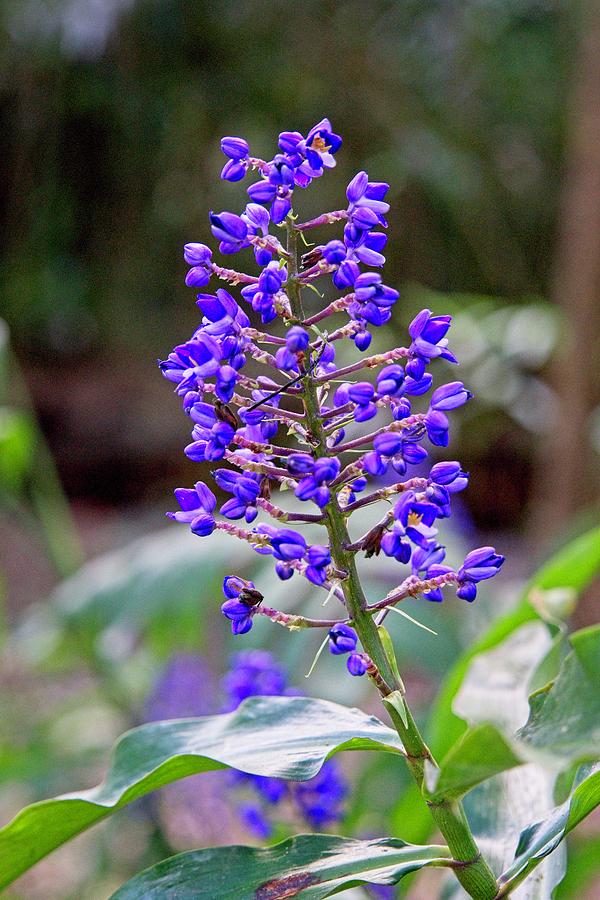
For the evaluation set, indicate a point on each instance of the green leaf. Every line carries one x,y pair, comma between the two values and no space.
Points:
282,737
572,567
311,866
541,838
564,722
17,447
481,753
563,727
496,688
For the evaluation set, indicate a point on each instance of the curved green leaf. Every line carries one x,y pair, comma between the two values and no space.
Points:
311,866
563,727
541,838
573,567
282,737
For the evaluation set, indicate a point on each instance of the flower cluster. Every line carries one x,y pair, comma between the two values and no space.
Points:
180,692
318,801
295,386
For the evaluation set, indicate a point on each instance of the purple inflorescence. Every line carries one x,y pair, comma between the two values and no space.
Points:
180,692
320,801
351,423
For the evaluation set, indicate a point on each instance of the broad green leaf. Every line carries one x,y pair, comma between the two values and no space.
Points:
542,837
496,688
282,737
481,753
564,722
563,727
310,866
573,567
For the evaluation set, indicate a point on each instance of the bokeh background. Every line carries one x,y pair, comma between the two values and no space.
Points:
484,117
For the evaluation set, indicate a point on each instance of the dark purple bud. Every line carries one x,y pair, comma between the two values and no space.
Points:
233,584
357,664
374,464
388,444
241,625
326,468
198,276
300,464
364,413
315,575
321,496
297,339
444,472
480,564
235,147
228,227
342,639
390,380
362,392
450,396
197,254
319,555
357,187
280,208
437,425
283,570
203,525
289,140
362,340
467,591
233,609
364,218
288,544
416,368
233,171
418,388
346,275
334,252
262,192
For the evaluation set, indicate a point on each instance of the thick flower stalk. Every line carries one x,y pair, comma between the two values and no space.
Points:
338,464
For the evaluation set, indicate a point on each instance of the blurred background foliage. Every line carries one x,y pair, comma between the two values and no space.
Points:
484,117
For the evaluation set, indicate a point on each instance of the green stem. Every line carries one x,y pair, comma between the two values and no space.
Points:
472,871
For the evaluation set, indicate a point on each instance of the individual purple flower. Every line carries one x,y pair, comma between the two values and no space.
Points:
262,294
319,558
366,204
390,381
357,664
190,363
230,230
450,475
286,543
342,639
428,333
449,396
478,565
437,426
245,487
197,507
242,602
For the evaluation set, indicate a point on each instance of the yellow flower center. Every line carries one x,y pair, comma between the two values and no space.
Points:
318,144
414,519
